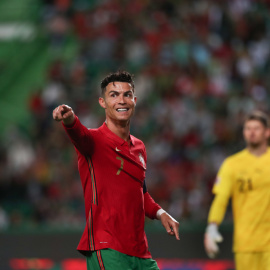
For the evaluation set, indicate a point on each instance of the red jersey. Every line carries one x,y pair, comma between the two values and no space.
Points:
112,174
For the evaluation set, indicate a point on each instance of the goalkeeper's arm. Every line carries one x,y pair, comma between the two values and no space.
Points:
216,215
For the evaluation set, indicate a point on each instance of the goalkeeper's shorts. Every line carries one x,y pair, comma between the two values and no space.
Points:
252,260
109,259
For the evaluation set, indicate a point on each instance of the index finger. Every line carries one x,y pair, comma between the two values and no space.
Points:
175,227
65,107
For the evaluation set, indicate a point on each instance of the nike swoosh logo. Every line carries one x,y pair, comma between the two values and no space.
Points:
117,150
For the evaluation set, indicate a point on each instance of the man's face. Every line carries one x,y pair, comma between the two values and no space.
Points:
255,133
118,101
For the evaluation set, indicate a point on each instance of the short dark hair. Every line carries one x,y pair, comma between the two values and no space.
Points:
259,116
118,76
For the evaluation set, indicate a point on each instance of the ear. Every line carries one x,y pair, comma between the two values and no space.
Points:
102,102
135,100
268,133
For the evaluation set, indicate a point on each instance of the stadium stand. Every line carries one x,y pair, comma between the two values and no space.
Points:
199,67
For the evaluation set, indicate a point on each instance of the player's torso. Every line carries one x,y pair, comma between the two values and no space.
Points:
118,167
112,178
113,170
251,200
251,181
251,177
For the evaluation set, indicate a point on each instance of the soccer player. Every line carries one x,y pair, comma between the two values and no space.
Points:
245,178
112,165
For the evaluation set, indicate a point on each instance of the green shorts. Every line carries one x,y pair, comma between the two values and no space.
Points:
109,259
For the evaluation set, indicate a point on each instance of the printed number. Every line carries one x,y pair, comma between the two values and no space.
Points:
241,185
122,165
250,187
245,185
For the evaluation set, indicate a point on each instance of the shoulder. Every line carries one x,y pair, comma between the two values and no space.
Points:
237,156
95,130
95,134
233,162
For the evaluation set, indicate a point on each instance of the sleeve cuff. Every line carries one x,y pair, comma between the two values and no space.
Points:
71,125
160,212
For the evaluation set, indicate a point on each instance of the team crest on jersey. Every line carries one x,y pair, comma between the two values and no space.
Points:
142,160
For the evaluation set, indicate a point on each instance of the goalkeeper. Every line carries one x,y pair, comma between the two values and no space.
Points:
245,177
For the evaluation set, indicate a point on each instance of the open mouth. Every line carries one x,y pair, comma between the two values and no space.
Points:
122,110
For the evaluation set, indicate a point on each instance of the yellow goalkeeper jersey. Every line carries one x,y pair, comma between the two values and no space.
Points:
246,179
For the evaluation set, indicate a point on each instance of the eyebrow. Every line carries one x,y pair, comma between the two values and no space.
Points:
115,91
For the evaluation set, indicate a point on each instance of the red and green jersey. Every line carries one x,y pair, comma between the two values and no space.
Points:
112,174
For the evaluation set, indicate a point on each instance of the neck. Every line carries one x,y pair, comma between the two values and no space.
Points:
120,128
257,150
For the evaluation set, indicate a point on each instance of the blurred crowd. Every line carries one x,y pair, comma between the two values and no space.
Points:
199,66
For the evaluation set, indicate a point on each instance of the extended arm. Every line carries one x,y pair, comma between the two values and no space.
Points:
78,134
64,113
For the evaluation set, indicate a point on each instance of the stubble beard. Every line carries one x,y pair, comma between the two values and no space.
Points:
255,145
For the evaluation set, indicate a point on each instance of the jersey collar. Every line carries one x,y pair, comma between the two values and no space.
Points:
116,138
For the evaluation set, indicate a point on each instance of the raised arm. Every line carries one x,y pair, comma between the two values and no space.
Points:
78,133
64,113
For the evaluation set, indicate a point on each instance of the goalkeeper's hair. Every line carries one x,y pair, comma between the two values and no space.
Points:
118,76
259,116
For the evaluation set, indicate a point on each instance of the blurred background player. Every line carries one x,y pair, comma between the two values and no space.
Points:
112,165
245,177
